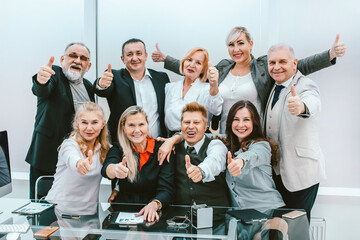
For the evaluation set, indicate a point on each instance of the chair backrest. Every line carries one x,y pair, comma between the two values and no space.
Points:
42,186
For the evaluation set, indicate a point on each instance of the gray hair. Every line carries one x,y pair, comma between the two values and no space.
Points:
283,46
235,33
77,43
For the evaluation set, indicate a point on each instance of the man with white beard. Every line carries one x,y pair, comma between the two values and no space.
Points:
59,91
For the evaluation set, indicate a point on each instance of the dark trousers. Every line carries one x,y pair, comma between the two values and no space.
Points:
34,175
303,199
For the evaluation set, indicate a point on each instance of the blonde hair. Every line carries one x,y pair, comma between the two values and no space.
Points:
235,33
127,147
192,51
103,137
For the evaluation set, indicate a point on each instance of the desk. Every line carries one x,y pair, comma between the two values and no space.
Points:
100,222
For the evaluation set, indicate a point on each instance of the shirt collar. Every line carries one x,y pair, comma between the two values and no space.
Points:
287,82
149,146
197,146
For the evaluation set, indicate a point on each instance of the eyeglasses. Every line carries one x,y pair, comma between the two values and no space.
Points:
178,222
75,56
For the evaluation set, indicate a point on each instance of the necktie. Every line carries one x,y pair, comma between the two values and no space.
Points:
190,150
278,89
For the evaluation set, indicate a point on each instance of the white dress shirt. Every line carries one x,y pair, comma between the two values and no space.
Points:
198,92
78,191
215,161
236,88
146,98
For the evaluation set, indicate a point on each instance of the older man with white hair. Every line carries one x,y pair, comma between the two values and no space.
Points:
59,91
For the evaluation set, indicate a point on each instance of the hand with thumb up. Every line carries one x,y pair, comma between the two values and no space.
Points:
106,79
193,172
295,105
120,170
83,166
45,72
158,55
234,165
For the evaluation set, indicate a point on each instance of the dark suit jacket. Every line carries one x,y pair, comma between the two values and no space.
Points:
53,121
152,182
121,95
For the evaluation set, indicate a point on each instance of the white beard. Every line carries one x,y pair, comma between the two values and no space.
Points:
73,76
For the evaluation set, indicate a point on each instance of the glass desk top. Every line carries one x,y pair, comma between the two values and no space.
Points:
77,219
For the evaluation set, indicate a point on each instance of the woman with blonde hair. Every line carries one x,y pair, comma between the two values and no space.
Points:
133,163
77,178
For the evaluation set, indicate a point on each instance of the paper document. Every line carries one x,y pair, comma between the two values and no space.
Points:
129,218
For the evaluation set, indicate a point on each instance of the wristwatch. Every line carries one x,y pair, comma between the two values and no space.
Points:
159,205
202,173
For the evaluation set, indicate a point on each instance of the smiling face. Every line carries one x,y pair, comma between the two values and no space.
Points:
134,57
76,62
281,65
136,129
193,127
90,125
242,124
240,49
193,66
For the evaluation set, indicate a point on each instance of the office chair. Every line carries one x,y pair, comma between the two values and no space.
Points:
42,186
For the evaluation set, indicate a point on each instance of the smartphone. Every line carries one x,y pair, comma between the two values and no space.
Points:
92,236
294,214
46,232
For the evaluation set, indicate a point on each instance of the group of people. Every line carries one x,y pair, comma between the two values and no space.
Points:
270,156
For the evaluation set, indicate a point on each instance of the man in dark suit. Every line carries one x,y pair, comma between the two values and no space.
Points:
59,91
134,85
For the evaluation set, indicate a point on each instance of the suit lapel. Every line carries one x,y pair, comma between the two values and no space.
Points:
157,86
67,90
129,80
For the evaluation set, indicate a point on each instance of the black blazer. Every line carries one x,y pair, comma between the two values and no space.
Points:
121,95
153,181
53,121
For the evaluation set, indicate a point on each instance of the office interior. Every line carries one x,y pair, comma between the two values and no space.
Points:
32,31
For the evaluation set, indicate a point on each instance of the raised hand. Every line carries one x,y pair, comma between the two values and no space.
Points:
106,79
45,72
213,76
234,165
158,55
337,49
295,105
83,166
120,170
192,171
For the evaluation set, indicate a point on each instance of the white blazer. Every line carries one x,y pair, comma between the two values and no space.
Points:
301,159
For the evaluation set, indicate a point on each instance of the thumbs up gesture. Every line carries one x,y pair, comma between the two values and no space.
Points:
158,55
338,49
234,165
213,75
192,171
106,79
120,170
83,166
295,105
45,72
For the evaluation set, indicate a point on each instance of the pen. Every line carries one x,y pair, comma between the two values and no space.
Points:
75,217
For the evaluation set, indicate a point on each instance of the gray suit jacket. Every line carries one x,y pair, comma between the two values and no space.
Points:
301,160
259,70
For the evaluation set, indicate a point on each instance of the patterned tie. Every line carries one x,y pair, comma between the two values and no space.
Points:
190,150
278,89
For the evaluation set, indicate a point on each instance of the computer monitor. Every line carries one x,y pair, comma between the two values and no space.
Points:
5,173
